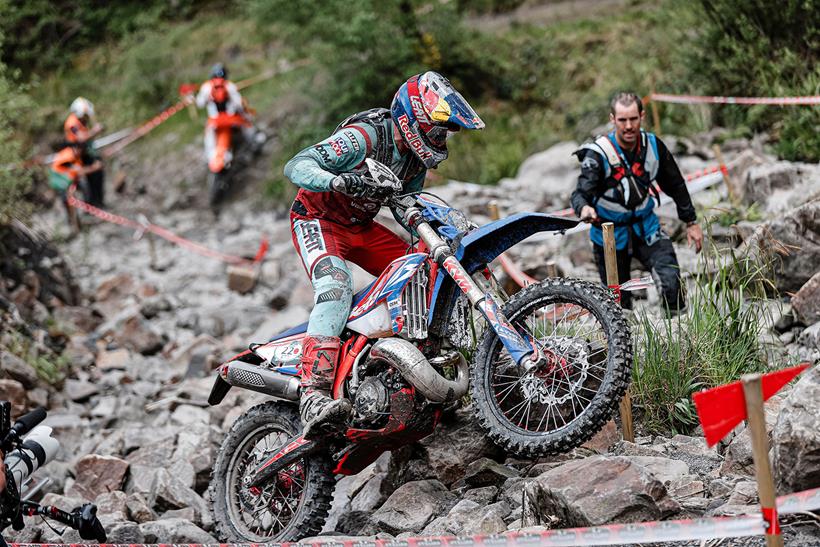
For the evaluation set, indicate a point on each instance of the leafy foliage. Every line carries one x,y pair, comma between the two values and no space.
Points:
760,48
14,177
48,33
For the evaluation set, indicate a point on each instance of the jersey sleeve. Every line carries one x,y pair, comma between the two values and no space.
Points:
592,173
316,166
203,94
673,184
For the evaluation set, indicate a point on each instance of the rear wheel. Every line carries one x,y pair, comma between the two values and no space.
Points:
586,343
292,506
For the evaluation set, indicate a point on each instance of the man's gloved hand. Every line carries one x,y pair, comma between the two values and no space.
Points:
356,186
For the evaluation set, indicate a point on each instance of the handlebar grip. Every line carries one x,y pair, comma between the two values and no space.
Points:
88,524
27,422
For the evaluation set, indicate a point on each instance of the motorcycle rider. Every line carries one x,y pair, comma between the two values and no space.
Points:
332,216
615,185
220,96
79,135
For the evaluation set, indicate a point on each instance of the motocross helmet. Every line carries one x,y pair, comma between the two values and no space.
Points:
219,71
425,109
82,108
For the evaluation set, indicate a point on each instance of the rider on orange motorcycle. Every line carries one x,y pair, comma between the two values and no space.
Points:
225,107
332,216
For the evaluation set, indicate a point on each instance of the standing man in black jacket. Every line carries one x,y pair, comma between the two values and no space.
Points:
616,184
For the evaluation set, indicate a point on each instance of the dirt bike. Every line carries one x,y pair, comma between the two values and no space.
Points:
229,147
27,447
553,363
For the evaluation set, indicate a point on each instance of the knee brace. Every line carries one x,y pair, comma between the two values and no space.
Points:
332,296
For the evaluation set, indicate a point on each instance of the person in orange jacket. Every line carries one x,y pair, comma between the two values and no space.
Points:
79,133
67,169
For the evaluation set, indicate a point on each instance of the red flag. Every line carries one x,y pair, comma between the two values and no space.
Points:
720,409
187,89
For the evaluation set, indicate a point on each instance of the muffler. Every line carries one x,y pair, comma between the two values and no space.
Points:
415,368
263,380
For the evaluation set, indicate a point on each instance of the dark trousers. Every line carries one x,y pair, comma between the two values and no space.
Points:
659,258
94,189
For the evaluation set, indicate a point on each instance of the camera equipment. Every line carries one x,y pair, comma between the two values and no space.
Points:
27,447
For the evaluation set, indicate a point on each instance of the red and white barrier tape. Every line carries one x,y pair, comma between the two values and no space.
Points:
708,99
147,127
799,502
613,534
145,226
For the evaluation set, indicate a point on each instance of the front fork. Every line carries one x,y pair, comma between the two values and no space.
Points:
523,352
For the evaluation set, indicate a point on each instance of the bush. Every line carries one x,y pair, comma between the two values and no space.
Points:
714,343
15,180
762,48
48,34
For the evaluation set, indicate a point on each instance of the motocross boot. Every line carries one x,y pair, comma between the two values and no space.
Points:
320,413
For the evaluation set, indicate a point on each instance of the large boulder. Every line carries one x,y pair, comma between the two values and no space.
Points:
597,490
18,369
446,454
796,437
779,186
97,475
806,302
546,178
795,239
413,506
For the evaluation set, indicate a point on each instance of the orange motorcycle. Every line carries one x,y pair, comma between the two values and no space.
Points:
227,130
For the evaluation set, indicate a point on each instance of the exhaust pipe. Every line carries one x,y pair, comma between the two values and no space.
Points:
415,368
263,380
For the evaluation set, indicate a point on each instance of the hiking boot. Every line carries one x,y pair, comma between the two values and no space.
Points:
320,413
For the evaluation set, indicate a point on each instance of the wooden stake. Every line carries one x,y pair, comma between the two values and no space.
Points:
611,264
753,393
153,251
492,208
729,181
656,117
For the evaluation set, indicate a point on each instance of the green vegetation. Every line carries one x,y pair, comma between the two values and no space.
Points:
762,48
732,215
533,84
14,178
49,366
711,345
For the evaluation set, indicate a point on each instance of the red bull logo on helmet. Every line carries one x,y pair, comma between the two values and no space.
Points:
412,138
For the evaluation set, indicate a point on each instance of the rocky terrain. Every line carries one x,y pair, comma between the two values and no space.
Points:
144,324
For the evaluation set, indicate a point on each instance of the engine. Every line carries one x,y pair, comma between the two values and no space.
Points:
371,404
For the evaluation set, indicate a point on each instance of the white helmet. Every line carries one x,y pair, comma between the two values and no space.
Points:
82,107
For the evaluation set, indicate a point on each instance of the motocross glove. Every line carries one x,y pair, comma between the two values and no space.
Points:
356,186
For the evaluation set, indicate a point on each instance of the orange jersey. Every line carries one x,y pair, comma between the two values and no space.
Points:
67,162
75,129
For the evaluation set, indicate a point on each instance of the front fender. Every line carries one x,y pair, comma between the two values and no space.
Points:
484,244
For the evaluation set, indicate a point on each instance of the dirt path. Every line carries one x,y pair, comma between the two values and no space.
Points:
543,14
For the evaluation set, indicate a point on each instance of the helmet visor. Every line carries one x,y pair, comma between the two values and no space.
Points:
446,105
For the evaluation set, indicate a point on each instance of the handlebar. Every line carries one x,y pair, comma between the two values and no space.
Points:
83,519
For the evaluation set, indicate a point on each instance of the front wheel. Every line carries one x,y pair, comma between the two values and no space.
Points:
217,187
292,506
581,332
